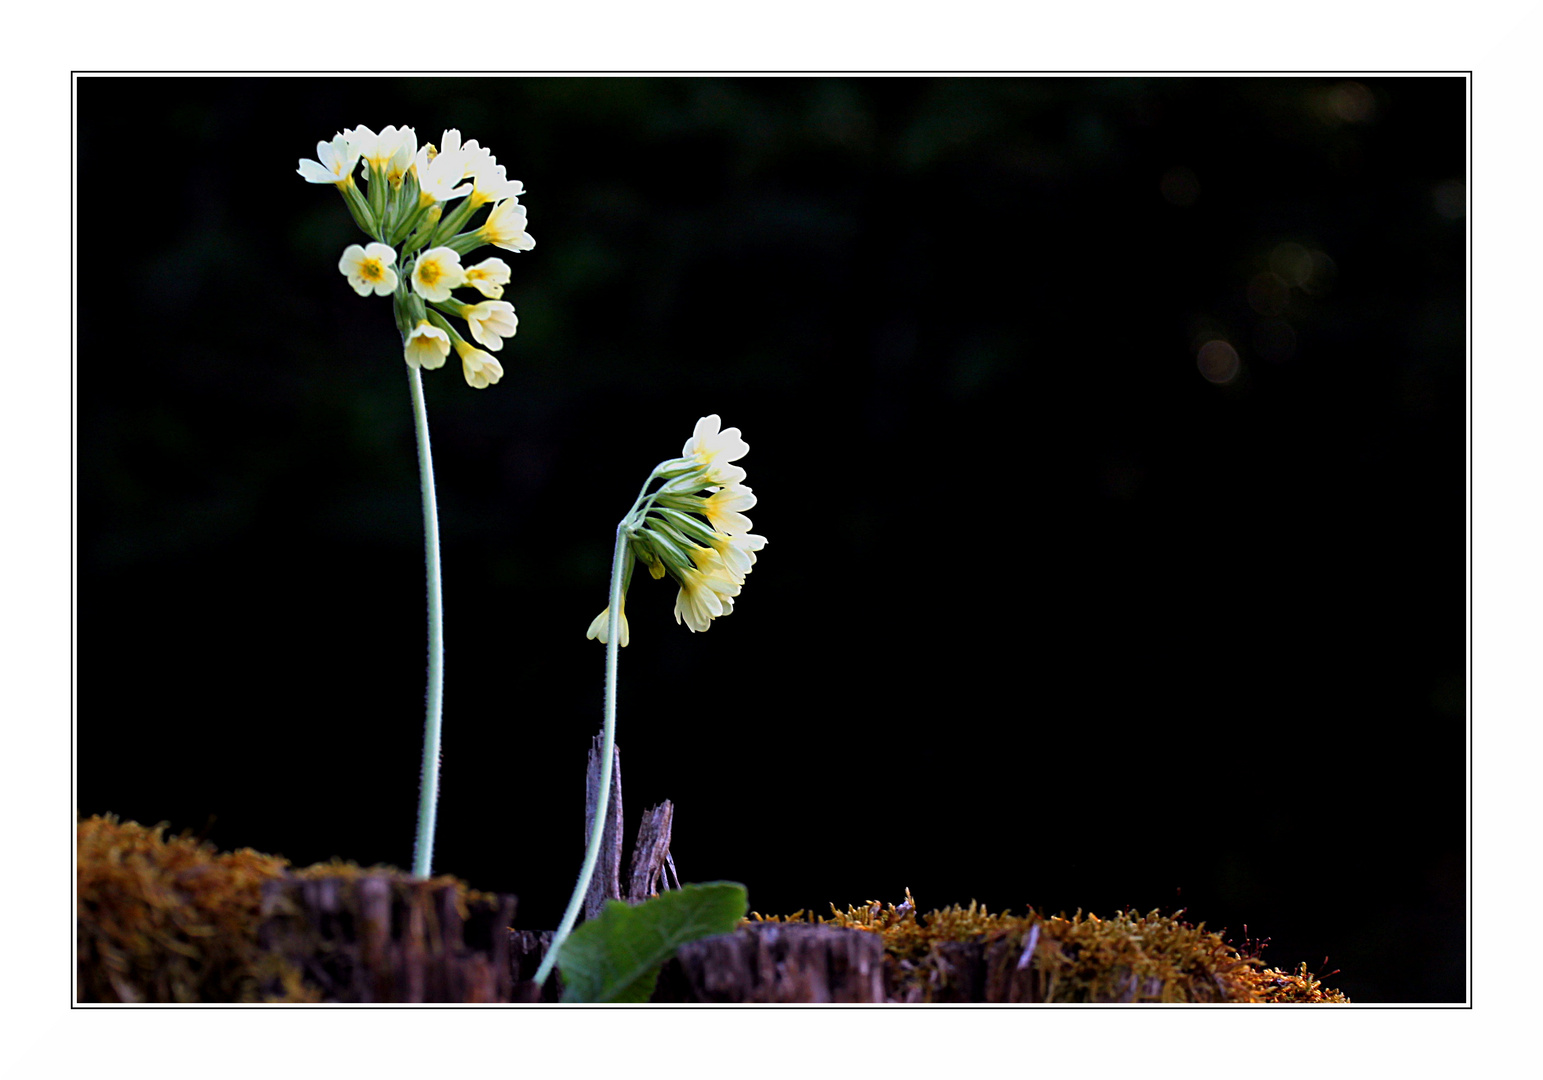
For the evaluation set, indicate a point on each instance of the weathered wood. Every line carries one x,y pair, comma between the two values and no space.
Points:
527,948
958,971
778,962
651,862
606,883
372,937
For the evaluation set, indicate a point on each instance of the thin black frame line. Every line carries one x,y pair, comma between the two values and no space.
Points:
943,72
1468,74
74,795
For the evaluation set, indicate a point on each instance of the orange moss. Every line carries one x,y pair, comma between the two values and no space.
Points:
165,919
1127,958
174,920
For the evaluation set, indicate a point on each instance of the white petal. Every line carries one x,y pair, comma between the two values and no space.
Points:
316,173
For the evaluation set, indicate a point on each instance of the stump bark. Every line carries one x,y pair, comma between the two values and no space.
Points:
777,962
527,948
389,937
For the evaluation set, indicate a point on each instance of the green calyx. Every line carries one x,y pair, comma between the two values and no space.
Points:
378,186
456,218
465,242
358,208
407,307
668,550
685,525
444,324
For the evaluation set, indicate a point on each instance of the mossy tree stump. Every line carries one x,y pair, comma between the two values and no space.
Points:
771,962
375,937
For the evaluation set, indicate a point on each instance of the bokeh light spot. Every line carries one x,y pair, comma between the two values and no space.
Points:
1351,103
1218,362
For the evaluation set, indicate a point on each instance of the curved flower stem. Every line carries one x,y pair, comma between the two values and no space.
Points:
612,650
428,795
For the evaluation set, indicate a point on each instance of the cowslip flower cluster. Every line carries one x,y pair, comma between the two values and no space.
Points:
402,206
693,529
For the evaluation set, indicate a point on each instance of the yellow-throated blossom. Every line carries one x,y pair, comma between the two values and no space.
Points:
334,162
597,628
440,175
436,272
419,235
693,528
490,184
426,346
703,598
491,321
377,150
480,369
724,508
368,269
716,449
401,161
470,155
736,554
505,227
488,277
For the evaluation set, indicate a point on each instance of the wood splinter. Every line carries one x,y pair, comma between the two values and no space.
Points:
653,867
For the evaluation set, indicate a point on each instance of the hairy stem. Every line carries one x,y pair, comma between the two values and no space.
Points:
592,851
428,795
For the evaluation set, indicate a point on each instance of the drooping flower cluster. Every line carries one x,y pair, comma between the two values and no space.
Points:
402,206
693,528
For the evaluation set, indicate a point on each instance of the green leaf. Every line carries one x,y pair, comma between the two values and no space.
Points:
617,956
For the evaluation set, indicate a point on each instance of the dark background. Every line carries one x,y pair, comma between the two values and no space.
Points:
1047,615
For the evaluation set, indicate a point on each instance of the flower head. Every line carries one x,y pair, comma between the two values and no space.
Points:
692,528
334,162
491,321
369,269
400,201
480,369
437,271
427,346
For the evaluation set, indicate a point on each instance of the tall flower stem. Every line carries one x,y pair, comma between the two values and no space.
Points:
607,751
428,796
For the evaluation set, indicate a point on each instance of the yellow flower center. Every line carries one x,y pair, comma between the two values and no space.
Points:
371,270
429,273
